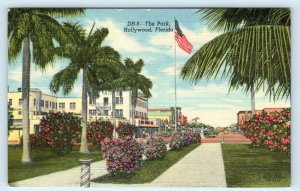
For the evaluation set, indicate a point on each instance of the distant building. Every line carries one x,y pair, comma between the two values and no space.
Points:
243,116
166,116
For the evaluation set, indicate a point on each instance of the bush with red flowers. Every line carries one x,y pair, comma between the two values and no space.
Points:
122,155
155,147
125,129
59,131
35,140
272,130
98,130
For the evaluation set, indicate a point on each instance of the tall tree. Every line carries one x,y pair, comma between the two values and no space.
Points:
132,79
255,48
85,53
10,118
32,32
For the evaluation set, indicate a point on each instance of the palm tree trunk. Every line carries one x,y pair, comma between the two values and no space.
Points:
83,147
113,92
26,156
252,100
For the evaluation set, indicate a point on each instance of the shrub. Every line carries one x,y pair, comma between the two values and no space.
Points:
98,130
125,129
155,147
272,130
122,155
35,140
59,131
176,141
195,137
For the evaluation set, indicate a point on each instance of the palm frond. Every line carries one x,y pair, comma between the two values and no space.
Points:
252,52
65,79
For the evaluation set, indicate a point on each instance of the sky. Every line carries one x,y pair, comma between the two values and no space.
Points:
209,99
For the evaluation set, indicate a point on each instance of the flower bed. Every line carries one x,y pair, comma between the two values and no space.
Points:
98,130
125,129
180,139
272,130
155,147
122,155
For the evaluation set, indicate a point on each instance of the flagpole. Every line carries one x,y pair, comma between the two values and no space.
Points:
175,109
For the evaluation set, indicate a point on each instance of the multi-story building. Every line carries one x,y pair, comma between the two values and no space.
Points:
40,104
243,116
166,116
102,106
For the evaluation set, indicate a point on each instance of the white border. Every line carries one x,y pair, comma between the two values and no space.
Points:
5,4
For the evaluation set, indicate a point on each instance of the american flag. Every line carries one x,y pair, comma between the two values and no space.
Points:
182,41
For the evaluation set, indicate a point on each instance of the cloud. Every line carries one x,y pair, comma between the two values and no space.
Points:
118,39
165,41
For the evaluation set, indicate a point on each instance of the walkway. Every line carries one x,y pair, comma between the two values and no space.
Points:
203,167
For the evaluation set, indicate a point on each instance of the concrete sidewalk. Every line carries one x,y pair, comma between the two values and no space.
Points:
203,167
66,178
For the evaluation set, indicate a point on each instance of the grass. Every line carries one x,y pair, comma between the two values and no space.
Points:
248,166
150,170
44,162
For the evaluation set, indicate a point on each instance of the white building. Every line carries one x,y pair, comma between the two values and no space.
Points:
102,106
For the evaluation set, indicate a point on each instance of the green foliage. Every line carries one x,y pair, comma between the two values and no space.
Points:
98,130
10,118
263,60
125,129
59,130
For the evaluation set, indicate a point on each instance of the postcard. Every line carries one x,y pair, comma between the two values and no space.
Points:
149,97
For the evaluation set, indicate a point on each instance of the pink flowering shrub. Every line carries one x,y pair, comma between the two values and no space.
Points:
195,136
98,130
155,147
180,139
125,129
176,141
35,140
272,130
59,131
122,155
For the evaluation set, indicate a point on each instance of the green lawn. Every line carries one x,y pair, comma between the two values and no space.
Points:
44,162
248,166
150,170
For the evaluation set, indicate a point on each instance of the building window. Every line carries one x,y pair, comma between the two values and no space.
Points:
119,112
37,129
56,105
34,101
61,105
105,101
92,112
72,105
121,100
10,102
117,100
19,113
50,103
92,100
53,105
105,112
42,103
20,102
47,104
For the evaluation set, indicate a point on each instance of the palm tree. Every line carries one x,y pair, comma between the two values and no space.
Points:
109,77
253,52
132,79
86,54
36,29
